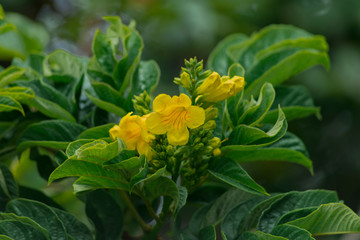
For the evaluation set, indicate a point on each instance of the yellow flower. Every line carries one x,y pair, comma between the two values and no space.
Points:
185,80
133,131
216,88
174,115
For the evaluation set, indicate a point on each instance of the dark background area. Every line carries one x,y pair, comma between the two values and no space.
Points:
174,30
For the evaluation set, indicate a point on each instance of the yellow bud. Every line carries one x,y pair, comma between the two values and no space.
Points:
185,80
217,152
215,142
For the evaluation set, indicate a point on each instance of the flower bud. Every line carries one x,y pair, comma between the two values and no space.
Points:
217,152
210,125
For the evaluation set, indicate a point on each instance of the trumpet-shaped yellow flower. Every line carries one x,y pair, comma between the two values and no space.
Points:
133,131
174,115
216,88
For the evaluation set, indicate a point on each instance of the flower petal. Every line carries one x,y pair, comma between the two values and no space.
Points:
160,102
178,136
209,84
180,101
114,132
195,117
154,124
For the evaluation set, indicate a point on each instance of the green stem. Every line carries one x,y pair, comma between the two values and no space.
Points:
148,206
137,216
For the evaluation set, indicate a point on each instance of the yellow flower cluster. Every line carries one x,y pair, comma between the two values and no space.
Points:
216,88
174,115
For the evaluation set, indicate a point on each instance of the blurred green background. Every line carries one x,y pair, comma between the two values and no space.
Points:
174,30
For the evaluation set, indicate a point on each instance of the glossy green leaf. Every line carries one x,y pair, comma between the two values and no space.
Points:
219,60
162,186
183,194
73,146
146,78
20,94
207,233
236,69
40,213
96,73
56,134
295,101
291,201
8,104
103,52
24,220
96,132
232,221
93,175
255,111
230,172
280,66
8,187
248,135
9,75
260,236
5,26
125,68
34,36
106,215
291,232
74,228
218,210
13,229
108,106
273,35
288,149
332,218
63,67
11,45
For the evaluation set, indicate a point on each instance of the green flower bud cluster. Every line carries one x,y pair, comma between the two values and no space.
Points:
200,150
192,74
142,104
164,155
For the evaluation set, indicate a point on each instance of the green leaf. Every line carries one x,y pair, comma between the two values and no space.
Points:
232,173
162,186
8,187
56,134
33,35
14,229
332,218
146,78
74,228
8,104
106,215
280,66
108,106
232,221
218,210
219,60
291,201
96,132
125,68
24,220
41,214
183,194
255,111
260,236
248,135
10,74
291,232
236,69
73,146
273,35
5,26
207,233
103,52
11,45
295,101
288,149
92,175
66,71
20,94
48,100
96,73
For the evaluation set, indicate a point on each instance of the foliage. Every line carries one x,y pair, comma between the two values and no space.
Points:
57,109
